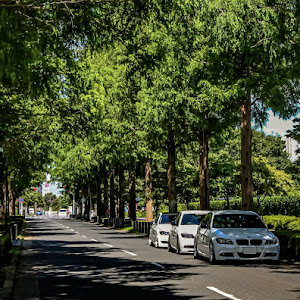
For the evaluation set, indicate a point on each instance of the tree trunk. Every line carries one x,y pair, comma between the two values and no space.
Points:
105,197
77,199
204,171
172,197
11,198
121,194
148,182
2,199
80,208
86,206
99,200
112,195
246,153
132,213
90,195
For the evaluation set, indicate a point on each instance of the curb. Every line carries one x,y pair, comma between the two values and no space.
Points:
10,274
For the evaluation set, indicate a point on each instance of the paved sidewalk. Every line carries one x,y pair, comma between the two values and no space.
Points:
25,276
6,292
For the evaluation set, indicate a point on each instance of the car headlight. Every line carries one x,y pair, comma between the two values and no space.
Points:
164,233
271,242
187,235
224,241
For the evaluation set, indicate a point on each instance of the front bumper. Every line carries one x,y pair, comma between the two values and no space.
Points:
186,244
265,252
163,241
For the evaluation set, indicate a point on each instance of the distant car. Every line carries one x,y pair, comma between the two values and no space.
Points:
184,228
62,212
234,234
159,231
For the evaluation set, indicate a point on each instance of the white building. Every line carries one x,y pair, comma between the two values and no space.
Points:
291,147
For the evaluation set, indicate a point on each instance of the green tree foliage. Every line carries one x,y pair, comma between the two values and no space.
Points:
253,44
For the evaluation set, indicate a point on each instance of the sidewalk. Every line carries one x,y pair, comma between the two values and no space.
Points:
6,292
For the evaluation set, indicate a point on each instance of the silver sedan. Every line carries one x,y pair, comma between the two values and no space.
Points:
238,235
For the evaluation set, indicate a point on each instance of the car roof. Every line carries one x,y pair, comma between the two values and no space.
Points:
234,212
168,213
202,212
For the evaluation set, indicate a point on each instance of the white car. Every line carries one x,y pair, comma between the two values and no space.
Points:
234,234
63,212
159,231
184,228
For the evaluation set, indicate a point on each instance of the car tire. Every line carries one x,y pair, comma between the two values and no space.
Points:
150,243
196,254
170,249
178,247
156,243
211,252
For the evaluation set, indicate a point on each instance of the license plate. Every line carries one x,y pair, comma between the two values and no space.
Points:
249,250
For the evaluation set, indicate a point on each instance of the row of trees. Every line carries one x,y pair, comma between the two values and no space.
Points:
145,86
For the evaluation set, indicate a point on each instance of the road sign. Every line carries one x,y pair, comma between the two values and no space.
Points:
21,200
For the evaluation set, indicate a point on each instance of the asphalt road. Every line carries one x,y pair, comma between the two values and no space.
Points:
71,259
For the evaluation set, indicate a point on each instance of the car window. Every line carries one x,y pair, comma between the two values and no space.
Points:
191,219
167,219
178,218
238,221
207,219
62,210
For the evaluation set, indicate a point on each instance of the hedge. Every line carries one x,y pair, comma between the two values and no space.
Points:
283,222
5,246
277,205
289,244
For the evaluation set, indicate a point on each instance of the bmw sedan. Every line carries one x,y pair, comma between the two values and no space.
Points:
159,231
234,234
183,230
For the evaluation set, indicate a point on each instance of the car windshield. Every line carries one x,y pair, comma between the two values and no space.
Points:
63,210
237,221
167,219
191,219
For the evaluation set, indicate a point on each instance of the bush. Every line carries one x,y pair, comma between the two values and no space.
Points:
5,246
280,205
283,222
289,244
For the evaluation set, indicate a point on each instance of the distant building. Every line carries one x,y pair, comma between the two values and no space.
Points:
291,147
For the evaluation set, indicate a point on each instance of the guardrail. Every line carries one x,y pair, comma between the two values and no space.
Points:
141,226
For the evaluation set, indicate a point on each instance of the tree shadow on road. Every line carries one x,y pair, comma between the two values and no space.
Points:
88,270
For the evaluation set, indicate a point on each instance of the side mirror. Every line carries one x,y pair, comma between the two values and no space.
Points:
173,223
270,226
204,225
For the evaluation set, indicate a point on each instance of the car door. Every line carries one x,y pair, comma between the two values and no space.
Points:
204,233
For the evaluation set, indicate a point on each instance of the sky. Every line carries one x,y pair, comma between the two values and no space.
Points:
276,125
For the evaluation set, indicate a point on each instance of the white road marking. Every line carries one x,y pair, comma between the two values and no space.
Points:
72,229
222,293
67,227
84,236
76,232
130,253
108,245
94,240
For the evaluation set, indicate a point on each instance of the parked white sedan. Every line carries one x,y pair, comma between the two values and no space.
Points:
159,231
183,230
234,234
